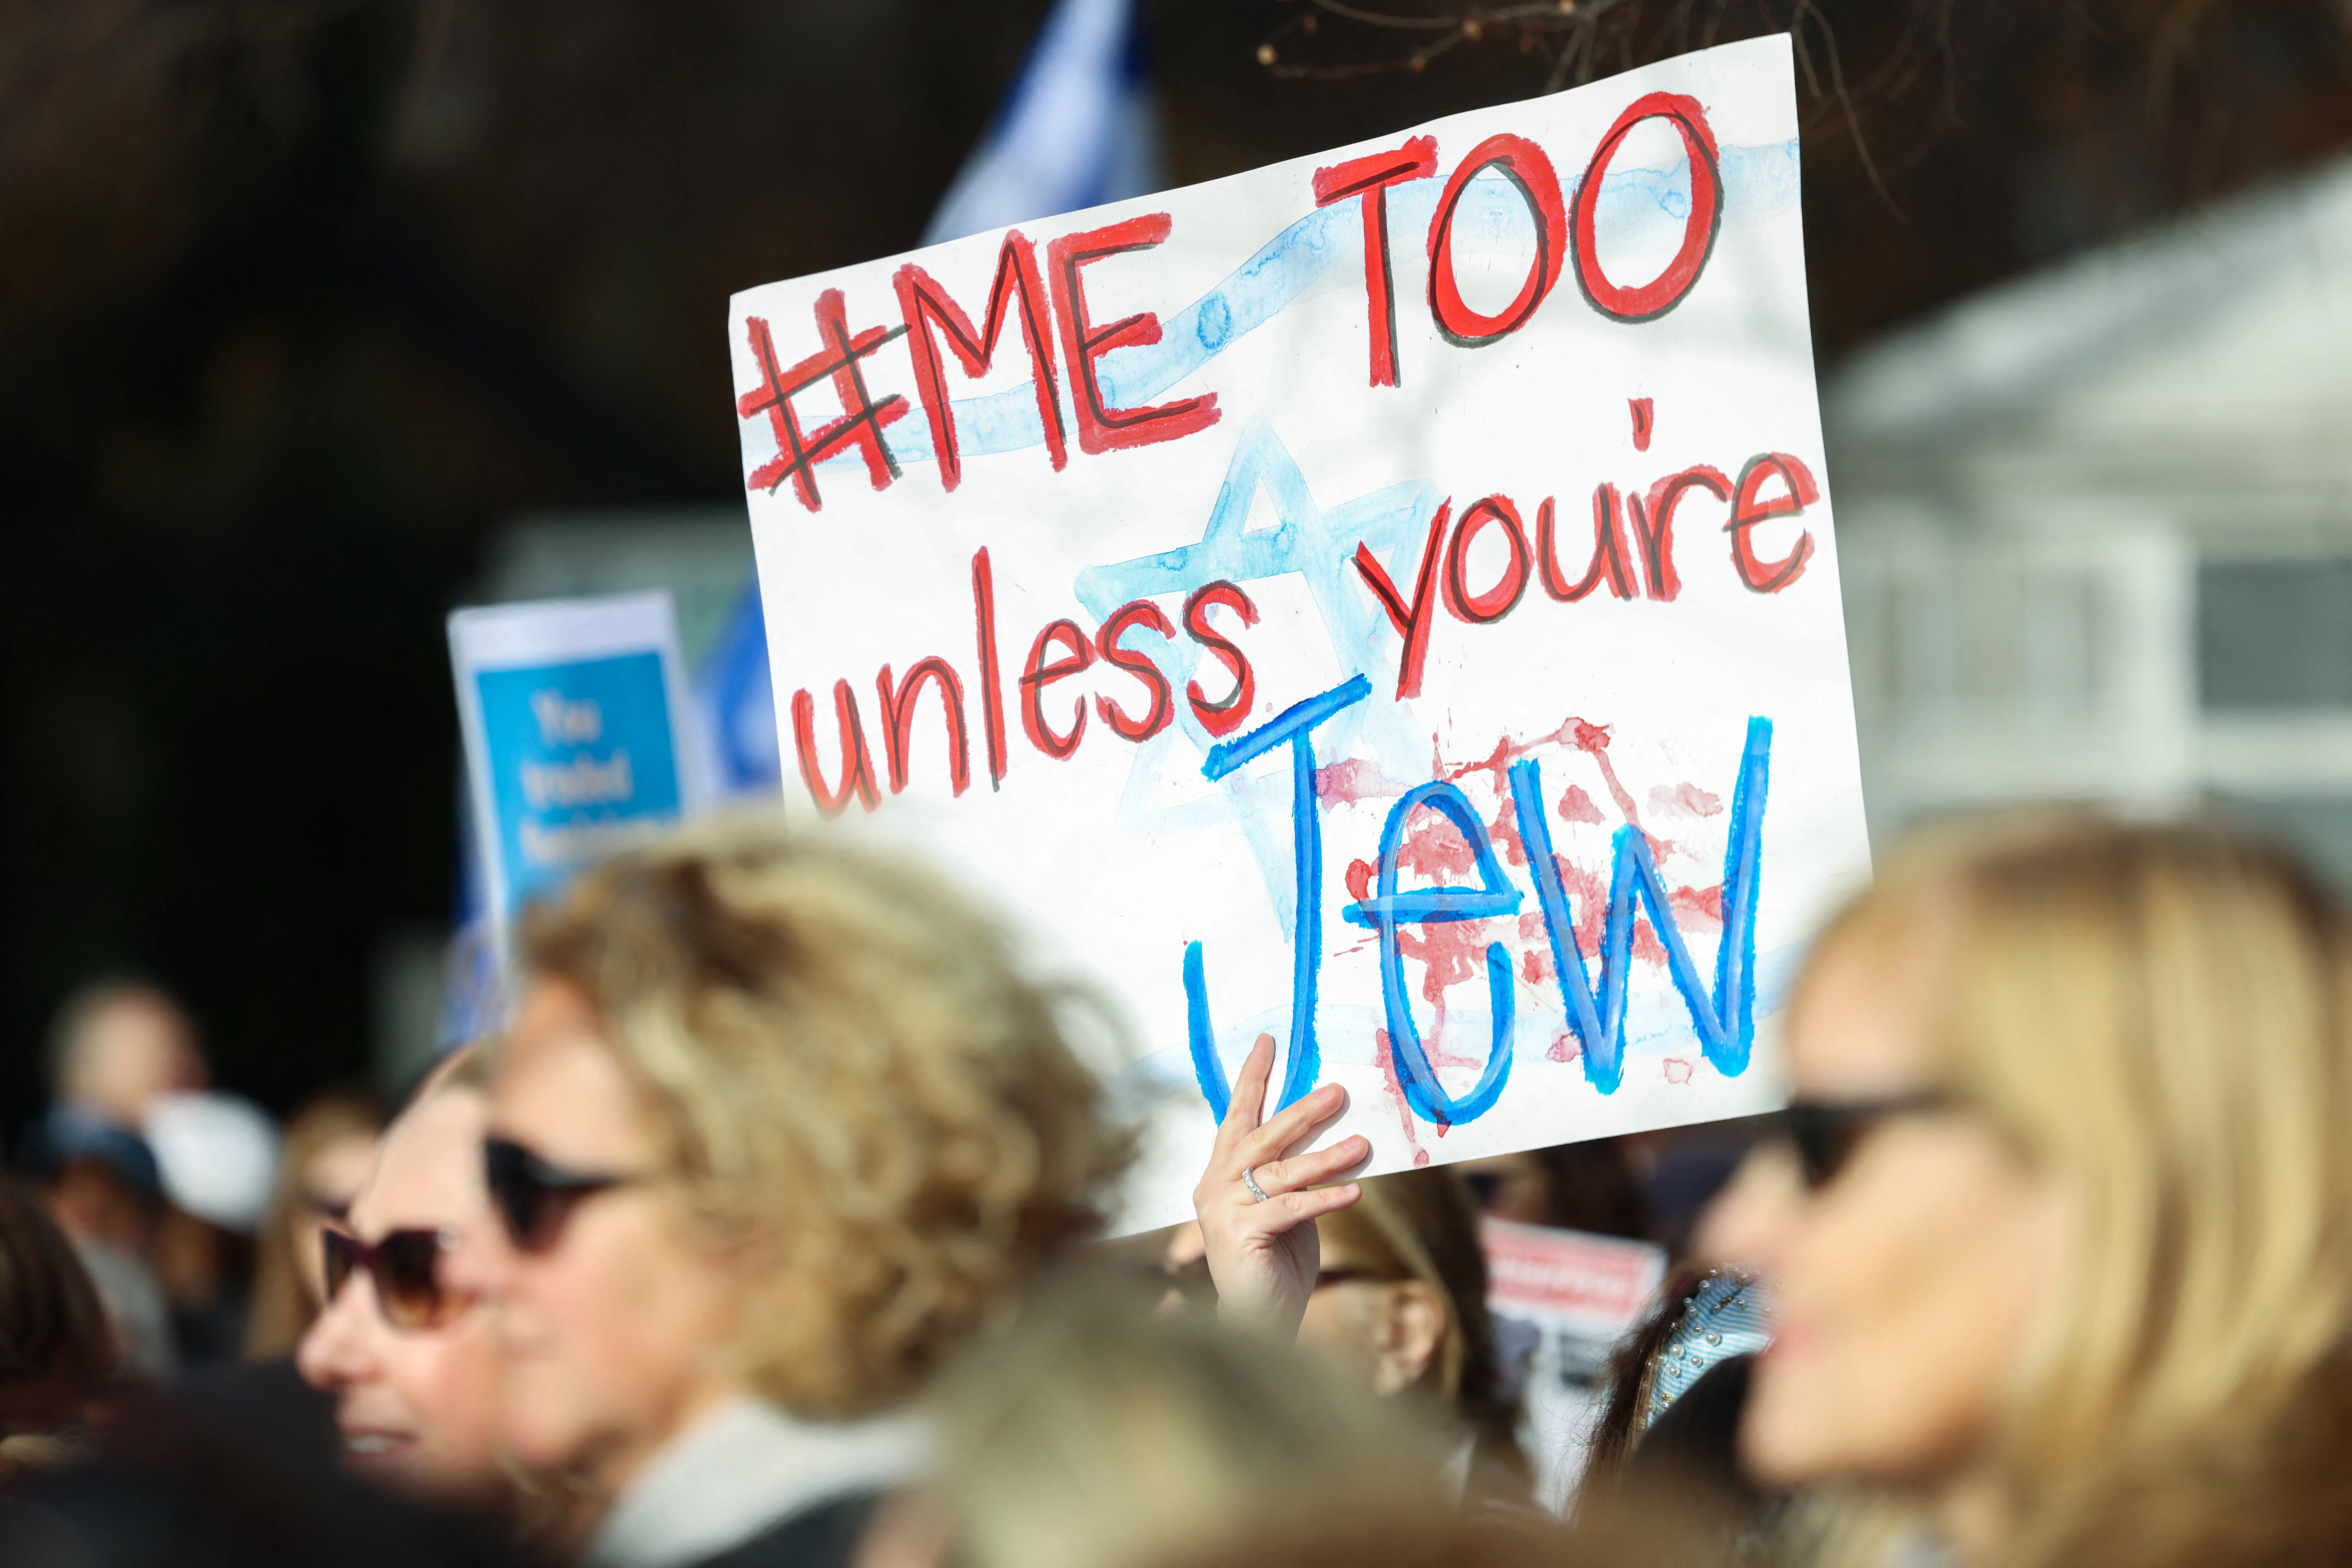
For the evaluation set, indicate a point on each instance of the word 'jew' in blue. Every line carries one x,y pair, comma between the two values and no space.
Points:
1387,908
1725,1017
1726,1021
1295,725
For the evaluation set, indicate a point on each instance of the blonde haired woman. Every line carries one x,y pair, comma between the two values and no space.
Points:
1400,1295
323,1161
2063,1245
1097,1436
776,1126
414,1367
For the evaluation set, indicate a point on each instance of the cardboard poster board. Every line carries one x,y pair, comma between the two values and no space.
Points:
1386,600
574,713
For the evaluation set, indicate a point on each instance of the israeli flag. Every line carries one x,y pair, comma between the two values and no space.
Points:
1079,129
737,702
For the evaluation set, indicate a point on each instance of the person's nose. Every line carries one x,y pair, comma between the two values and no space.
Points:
1747,1225
339,1352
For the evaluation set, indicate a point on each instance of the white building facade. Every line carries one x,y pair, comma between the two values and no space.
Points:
2096,528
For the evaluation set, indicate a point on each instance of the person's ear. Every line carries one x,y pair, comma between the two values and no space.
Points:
1409,1337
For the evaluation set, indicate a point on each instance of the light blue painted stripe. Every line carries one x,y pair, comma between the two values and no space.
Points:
1325,250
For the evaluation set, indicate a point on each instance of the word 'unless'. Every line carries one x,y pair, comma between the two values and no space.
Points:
1771,485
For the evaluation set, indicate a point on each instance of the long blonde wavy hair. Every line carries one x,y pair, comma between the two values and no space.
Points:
2161,1019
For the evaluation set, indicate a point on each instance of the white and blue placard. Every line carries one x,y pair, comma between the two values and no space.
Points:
576,719
1270,592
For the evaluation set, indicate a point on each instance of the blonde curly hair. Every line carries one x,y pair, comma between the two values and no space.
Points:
846,1072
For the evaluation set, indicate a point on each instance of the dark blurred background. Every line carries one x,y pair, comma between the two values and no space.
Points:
300,301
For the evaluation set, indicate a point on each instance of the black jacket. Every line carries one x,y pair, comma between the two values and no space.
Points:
825,1536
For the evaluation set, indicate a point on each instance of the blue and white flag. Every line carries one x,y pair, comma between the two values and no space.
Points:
1079,129
737,702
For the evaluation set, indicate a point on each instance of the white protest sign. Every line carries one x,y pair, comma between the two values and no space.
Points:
574,714
1578,1297
1386,600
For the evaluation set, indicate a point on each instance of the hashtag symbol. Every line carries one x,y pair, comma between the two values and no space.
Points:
862,418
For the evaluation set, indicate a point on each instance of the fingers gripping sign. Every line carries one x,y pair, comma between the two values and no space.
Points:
1263,1252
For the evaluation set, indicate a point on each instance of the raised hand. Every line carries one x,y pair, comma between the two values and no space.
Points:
1264,1255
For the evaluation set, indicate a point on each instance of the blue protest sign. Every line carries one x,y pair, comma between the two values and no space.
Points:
575,750
574,713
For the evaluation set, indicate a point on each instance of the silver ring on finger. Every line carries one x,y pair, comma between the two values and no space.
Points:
1249,1179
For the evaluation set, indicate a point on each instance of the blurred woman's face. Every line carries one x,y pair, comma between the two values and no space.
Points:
418,1407
616,1321
1391,1330
1906,1284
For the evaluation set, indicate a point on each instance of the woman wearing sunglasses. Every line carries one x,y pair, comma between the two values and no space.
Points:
776,1126
2062,1237
412,1364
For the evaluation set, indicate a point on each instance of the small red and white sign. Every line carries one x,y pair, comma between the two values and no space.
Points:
1595,1284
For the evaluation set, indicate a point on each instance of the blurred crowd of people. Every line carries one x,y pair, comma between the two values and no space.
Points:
770,1231
195,1220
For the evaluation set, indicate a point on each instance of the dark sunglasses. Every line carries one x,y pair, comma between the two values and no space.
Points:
1355,1276
1826,1132
534,1198
405,1267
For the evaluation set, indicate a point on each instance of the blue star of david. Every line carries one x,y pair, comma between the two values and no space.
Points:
1320,546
